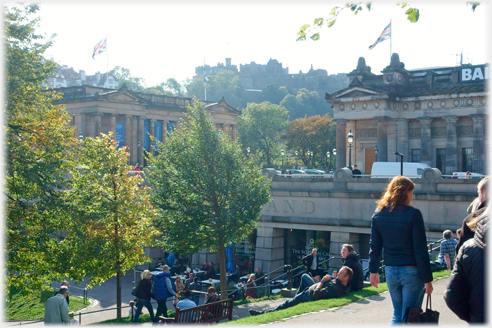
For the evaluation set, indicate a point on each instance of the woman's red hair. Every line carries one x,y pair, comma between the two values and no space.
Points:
396,193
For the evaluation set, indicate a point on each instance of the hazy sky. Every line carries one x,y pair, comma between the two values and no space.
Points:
158,40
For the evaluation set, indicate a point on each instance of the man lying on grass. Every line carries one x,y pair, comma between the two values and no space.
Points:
311,291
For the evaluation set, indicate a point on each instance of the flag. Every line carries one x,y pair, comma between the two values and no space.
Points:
386,35
205,78
99,48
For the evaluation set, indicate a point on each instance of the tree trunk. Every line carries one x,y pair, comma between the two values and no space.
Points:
223,275
118,294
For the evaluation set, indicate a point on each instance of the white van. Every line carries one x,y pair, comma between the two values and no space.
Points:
391,169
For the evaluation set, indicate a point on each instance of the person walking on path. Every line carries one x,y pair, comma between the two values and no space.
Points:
464,294
56,308
144,295
164,288
398,227
67,284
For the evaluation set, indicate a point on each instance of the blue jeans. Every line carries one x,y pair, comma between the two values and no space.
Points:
301,295
140,305
306,281
196,299
406,289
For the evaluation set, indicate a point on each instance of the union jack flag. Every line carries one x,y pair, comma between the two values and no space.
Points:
386,35
205,78
99,48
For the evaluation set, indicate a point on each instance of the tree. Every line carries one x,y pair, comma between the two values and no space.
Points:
124,76
413,15
173,87
305,103
315,133
116,218
274,93
260,127
223,84
38,154
208,194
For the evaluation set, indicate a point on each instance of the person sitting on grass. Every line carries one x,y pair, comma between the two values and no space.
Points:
352,261
311,291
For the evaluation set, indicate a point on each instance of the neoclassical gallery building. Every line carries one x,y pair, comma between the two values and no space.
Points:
135,116
435,116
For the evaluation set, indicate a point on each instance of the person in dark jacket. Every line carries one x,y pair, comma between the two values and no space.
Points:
195,286
464,294
164,288
210,274
144,295
399,229
352,261
311,262
260,277
310,291
466,233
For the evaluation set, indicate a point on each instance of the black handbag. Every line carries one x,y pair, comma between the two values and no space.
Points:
134,291
414,314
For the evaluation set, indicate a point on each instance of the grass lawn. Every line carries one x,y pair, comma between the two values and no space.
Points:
31,307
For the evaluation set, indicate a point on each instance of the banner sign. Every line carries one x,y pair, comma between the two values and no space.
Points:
119,134
146,141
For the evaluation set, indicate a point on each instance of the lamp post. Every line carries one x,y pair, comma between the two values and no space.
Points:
376,151
350,139
401,156
328,161
248,149
138,151
282,153
309,158
81,137
296,159
334,159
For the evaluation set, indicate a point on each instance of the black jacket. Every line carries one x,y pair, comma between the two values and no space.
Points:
357,282
308,261
464,294
465,233
144,288
329,290
402,234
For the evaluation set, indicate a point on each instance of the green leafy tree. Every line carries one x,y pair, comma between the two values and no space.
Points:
413,15
316,133
305,103
38,154
274,93
124,76
208,194
223,84
260,127
173,87
111,216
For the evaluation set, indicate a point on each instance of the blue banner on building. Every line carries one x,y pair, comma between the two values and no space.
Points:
119,134
146,137
158,130
170,127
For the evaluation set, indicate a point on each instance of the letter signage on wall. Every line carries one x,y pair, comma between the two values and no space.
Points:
119,134
474,73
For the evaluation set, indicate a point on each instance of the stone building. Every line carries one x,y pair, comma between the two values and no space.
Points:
435,116
135,116
63,76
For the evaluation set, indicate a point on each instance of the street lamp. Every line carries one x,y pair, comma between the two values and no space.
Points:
296,159
138,152
350,139
248,149
376,151
282,153
334,159
81,137
328,161
309,158
401,156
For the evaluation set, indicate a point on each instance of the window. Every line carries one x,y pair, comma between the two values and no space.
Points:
416,155
441,160
466,159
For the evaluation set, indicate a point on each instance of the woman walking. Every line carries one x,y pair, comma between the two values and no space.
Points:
144,294
398,227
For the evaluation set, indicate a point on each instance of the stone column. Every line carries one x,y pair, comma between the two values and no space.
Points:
451,145
269,249
140,157
337,239
128,137
478,143
402,138
77,120
425,140
350,127
341,144
152,134
97,124
134,139
113,125
164,132
234,138
382,139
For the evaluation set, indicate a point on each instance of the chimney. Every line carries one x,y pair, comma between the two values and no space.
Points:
98,78
82,75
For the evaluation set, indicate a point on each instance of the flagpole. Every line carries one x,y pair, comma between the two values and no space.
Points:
107,62
204,80
391,38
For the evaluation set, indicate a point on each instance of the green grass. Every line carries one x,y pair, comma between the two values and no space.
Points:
255,300
22,307
142,318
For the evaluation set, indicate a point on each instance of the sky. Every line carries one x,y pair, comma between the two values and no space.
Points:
157,40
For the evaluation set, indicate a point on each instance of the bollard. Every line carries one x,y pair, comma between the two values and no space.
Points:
267,282
80,319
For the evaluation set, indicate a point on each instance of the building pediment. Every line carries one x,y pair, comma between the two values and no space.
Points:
222,107
355,92
122,96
